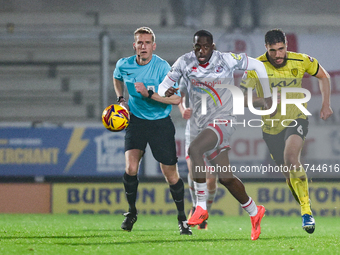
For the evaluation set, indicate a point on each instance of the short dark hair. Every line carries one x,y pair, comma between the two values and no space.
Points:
275,36
204,33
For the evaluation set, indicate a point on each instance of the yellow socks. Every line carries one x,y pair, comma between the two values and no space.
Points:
299,183
292,190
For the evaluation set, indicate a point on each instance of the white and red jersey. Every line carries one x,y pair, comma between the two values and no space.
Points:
201,80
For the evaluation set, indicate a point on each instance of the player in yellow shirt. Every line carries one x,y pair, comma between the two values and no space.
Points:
285,134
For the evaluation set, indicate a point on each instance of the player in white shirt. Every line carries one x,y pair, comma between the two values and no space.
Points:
204,71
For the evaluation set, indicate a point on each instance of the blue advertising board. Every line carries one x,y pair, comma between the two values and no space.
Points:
61,151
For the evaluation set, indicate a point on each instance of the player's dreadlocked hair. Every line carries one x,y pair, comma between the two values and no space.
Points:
275,36
145,30
204,33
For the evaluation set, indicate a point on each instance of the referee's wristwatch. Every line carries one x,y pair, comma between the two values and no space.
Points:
150,93
120,98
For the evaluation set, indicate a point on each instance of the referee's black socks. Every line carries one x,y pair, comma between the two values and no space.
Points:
177,192
131,185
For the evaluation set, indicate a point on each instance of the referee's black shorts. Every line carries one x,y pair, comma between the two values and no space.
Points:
160,134
277,143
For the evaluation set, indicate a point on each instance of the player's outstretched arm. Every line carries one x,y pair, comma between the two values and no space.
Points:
140,88
325,88
254,64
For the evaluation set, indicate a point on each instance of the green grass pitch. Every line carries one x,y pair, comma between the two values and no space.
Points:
101,234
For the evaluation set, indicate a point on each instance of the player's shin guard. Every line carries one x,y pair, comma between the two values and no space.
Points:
192,190
210,199
299,182
292,190
131,185
177,192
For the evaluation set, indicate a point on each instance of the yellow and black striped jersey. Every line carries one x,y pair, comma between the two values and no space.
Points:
289,75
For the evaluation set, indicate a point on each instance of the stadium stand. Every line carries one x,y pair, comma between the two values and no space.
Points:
50,61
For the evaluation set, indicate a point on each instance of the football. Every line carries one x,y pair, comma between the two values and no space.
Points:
115,118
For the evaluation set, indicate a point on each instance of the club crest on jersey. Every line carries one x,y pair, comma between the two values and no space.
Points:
218,69
294,71
194,69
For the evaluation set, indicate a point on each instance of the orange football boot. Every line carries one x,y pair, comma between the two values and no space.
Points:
198,217
256,221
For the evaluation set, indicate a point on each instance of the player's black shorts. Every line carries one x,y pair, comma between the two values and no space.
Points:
160,134
276,143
